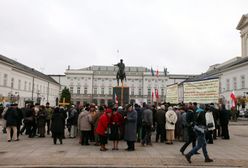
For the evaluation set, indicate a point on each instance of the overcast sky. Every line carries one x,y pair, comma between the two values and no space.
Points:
186,36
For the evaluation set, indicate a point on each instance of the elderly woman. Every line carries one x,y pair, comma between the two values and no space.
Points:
130,127
116,122
171,119
102,128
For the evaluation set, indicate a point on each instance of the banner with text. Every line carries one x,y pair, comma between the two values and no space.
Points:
206,91
172,94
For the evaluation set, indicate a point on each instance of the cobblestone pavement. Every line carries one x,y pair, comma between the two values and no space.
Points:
40,152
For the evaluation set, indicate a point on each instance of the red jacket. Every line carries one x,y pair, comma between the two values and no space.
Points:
117,118
102,124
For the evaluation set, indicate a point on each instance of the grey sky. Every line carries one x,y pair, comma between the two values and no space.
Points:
185,36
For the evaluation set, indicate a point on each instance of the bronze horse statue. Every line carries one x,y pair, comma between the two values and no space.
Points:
121,75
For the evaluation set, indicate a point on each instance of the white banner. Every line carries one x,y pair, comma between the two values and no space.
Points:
206,91
172,94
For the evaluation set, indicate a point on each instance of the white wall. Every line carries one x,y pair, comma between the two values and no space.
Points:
243,71
25,92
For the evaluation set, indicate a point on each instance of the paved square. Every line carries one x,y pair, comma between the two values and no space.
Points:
40,152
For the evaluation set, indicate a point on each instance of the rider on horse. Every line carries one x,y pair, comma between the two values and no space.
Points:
121,72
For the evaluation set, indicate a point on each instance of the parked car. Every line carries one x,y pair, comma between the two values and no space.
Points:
241,113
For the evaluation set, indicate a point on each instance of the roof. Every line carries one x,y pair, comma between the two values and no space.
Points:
27,69
216,72
242,21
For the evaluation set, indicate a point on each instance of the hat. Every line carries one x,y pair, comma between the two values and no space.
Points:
128,105
163,107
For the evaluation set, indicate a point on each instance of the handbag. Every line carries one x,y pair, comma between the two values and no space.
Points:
210,125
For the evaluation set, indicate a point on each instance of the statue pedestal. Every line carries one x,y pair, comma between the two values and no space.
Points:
123,97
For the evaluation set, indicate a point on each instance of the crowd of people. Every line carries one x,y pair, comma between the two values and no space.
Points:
190,123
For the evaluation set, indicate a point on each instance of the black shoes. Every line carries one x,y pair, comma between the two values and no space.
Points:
188,158
182,151
209,160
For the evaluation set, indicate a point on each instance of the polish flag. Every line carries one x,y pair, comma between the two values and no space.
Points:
154,95
116,99
234,99
156,91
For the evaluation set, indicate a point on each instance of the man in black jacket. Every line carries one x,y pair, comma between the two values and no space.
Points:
160,120
200,130
190,120
11,118
224,121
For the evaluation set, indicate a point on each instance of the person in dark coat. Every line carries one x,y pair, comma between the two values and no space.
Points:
64,112
130,127
11,118
139,121
57,127
19,121
190,122
42,115
160,120
200,130
147,125
216,114
224,121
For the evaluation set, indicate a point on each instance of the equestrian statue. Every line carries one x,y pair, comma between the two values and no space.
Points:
121,72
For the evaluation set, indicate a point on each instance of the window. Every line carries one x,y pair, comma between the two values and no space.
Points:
102,91
19,84
110,91
85,90
162,91
132,91
29,86
140,92
149,92
71,89
228,84
95,91
78,90
25,86
242,82
235,83
12,83
5,79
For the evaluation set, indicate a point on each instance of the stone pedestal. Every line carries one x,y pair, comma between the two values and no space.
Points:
122,101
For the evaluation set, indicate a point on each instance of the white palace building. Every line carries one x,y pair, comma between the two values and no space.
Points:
95,83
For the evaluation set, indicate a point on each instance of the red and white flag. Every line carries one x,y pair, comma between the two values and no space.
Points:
153,95
234,99
116,99
157,96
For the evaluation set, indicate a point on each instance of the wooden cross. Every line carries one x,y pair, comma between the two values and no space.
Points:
64,103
